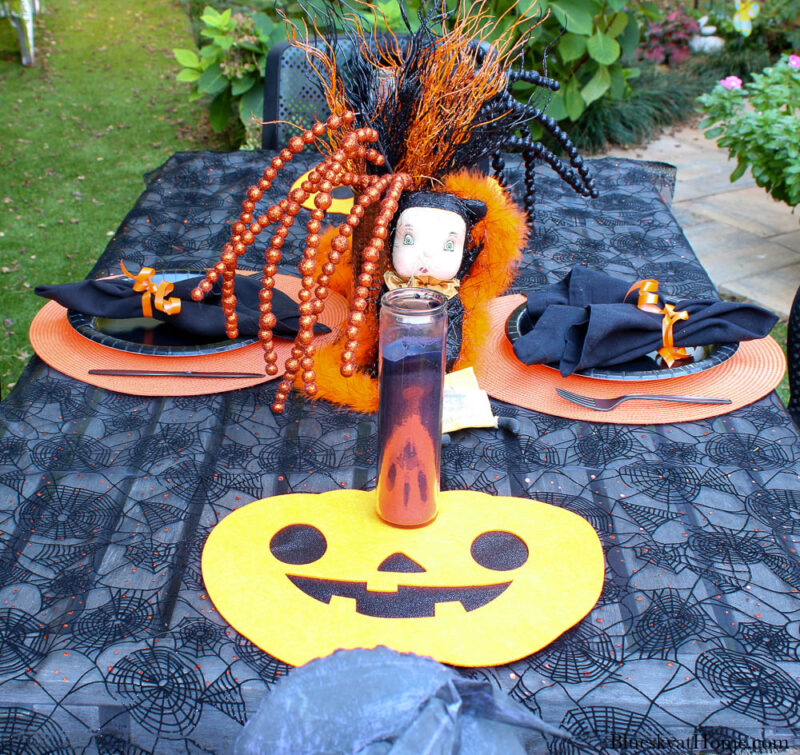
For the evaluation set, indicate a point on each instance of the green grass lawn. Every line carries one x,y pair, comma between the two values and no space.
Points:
99,108
779,334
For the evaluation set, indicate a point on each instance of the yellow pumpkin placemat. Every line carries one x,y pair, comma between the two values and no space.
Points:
489,581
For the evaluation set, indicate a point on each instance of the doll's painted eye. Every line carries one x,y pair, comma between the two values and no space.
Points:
408,239
449,246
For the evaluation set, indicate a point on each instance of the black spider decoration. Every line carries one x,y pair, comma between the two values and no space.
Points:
516,116
407,112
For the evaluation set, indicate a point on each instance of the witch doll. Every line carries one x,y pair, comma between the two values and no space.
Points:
430,249
410,119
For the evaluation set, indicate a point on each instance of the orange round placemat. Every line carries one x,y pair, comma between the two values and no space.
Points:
67,351
753,371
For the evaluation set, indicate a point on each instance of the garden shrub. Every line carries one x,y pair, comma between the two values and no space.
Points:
758,123
667,39
229,68
586,44
593,47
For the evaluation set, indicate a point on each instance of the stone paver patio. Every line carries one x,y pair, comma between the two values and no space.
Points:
749,243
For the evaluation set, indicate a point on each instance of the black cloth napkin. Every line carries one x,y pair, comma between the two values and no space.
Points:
582,322
115,298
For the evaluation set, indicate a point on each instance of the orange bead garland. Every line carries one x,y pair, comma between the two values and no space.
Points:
334,170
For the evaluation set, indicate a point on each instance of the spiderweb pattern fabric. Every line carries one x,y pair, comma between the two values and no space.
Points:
108,642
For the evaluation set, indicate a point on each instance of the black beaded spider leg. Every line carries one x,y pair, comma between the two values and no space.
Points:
586,184
506,109
533,77
529,160
579,177
516,116
498,165
577,174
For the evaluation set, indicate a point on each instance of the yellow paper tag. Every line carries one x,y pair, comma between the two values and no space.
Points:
465,404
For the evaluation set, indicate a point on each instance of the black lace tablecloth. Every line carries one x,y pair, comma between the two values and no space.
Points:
109,644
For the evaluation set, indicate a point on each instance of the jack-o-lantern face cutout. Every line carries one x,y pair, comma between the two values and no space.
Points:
489,581
304,544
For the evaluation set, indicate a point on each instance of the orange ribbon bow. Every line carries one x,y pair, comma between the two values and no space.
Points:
648,302
144,282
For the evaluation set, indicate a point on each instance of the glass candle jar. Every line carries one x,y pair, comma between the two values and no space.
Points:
413,326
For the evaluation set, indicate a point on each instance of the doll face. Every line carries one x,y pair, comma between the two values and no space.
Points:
428,241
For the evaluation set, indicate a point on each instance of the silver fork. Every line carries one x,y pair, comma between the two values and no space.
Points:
607,404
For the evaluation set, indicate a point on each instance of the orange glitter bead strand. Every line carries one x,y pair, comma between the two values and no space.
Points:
312,304
307,315
310,309
371,253
244,231
272,256
333,171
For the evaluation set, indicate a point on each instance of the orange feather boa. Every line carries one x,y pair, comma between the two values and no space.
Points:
503,234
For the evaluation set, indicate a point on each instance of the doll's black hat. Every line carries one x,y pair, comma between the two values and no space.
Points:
472,210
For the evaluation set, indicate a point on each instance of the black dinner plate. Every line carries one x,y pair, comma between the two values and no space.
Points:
648,367
146,335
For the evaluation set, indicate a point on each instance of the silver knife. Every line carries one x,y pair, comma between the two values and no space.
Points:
177,373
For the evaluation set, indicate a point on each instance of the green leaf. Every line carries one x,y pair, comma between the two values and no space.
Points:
573,16
616,5
571,47
715,132
211,53
522,90
264,24
530,8
187,58
278,34
211,17
603,48
188,74
597,86
212,81
212,33
504,23
618,25
240,86
573,101
739,171
252,104
650,10
629,39
219,112
556,108
618,85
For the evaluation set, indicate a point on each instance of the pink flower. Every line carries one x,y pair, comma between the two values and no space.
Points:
731,82
794,61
